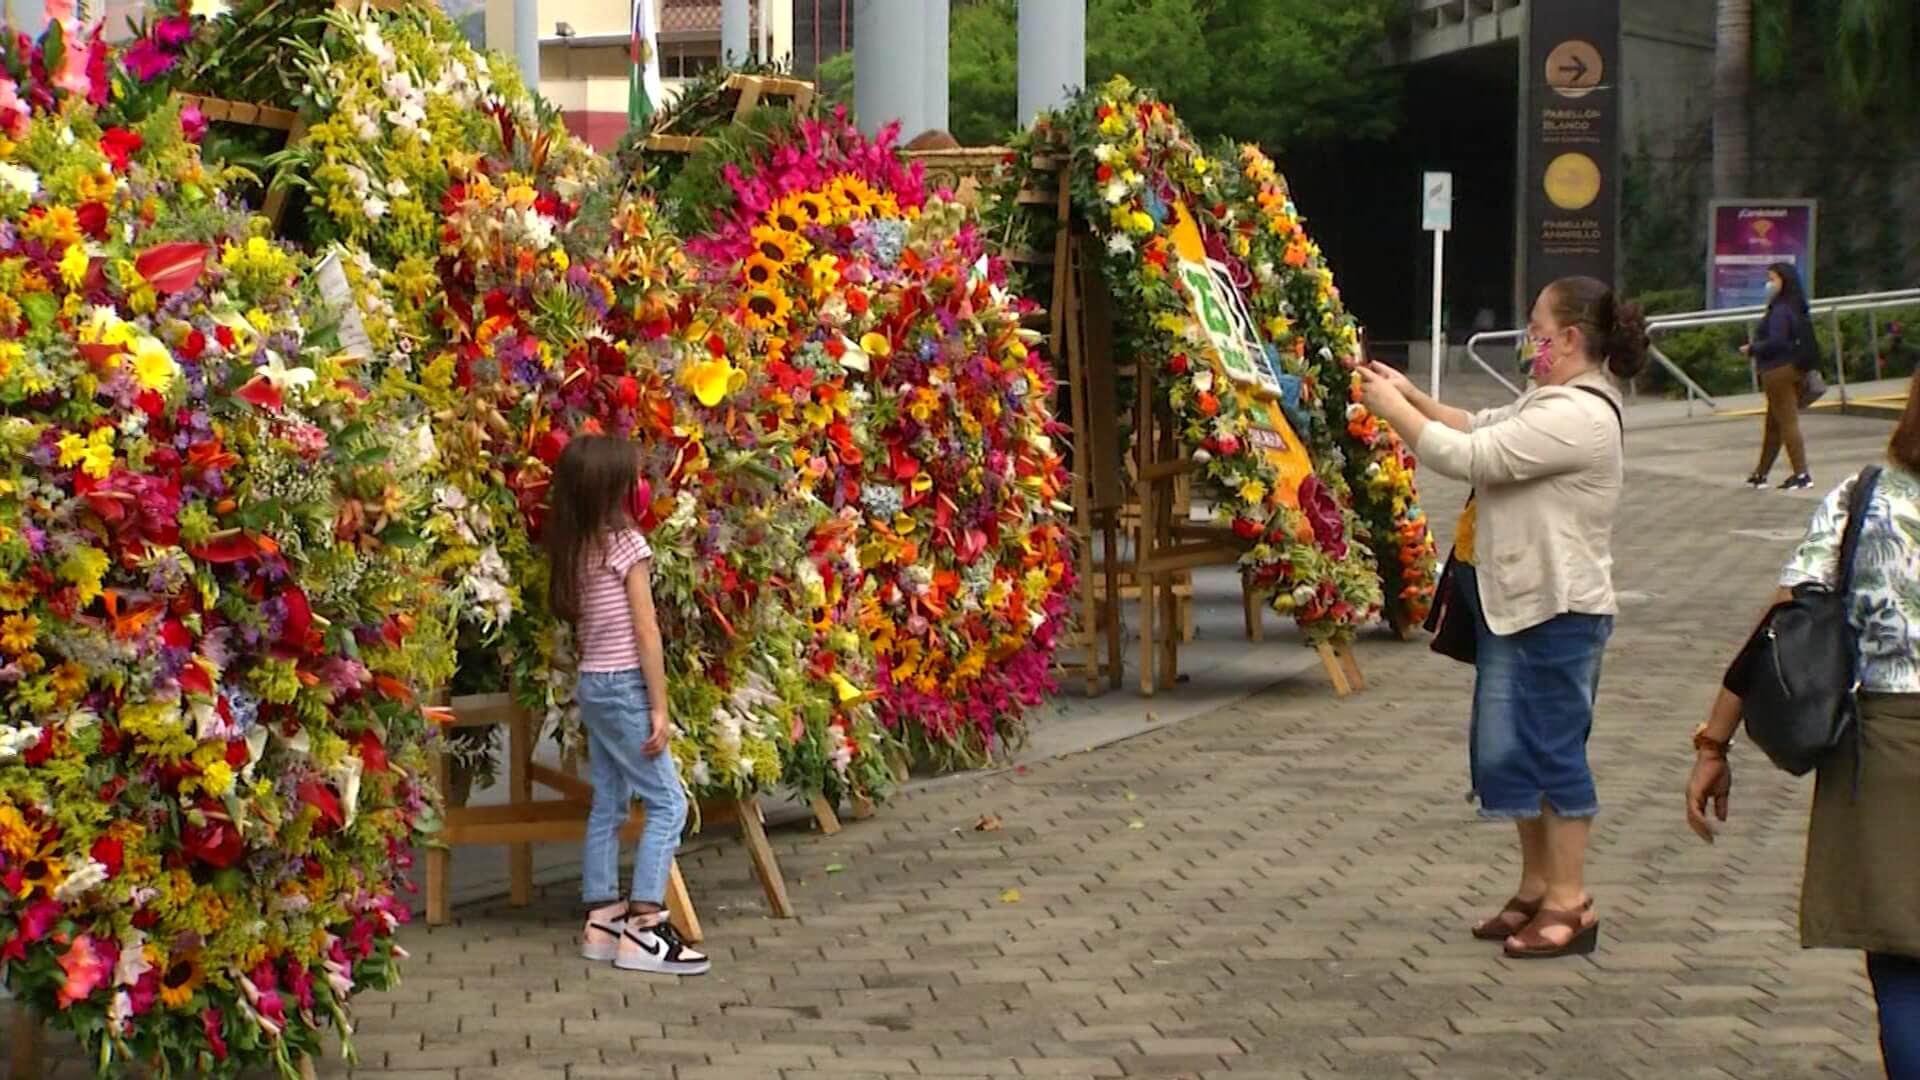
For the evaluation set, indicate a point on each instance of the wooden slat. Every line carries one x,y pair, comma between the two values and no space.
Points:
483,710
824,816
1030,197
242,112
682,144
765,866
563,782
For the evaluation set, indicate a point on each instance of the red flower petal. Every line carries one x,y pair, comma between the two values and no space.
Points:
175,267
261,393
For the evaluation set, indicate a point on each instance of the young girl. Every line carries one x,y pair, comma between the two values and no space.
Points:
599,565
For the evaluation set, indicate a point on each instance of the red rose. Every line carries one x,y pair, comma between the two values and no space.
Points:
1247,528
110,853
626,391
194,346
120,145
217,843
550,445
856,301
1178,363
93,220
224,336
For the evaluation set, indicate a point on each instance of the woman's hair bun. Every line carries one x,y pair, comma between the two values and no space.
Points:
1626,344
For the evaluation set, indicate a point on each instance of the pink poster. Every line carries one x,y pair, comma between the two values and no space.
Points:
1750,235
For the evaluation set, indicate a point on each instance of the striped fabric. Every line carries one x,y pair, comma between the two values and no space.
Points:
605,630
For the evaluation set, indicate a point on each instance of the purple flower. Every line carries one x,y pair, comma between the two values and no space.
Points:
146,61
174,32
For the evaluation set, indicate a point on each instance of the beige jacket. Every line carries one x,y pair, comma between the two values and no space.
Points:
1547,474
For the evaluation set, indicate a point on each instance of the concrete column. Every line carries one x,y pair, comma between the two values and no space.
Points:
1053,54
736,35
933,100
526,41
888,54
27,16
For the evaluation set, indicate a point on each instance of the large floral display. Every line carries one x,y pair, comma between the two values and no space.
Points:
214,615
896,366
1135,170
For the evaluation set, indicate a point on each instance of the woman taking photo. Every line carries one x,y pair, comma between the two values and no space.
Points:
1546,473
1781,360
1862,884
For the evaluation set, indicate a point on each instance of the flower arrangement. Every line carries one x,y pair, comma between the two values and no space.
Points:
895,365
213,607
1291,292
1136,169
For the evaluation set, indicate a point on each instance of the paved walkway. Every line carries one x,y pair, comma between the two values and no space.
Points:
1278,888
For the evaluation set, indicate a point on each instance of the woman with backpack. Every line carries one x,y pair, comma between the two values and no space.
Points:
1862,885
1783,352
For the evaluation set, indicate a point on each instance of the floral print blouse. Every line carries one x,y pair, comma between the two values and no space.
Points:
1886,576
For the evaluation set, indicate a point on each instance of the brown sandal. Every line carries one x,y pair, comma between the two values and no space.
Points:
1531,944
1499,928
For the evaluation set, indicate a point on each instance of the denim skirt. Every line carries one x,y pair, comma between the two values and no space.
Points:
1533,695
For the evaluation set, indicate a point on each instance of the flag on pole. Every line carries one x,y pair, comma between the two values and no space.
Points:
644,89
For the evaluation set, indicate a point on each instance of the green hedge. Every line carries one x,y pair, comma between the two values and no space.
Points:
1711,355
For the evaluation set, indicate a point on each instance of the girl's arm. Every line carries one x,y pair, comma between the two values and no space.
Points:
653,659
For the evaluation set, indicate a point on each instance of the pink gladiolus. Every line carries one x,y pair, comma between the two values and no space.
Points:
193,123
88,969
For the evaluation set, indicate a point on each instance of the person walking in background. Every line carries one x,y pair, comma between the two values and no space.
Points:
1782,354
600,571
1862,884
1547,473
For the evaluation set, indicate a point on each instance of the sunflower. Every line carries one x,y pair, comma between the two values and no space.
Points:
767,307
183,976
814,205
861,199
791,215
783,248
43,871
760,270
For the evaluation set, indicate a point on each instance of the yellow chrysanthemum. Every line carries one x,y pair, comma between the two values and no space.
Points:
73,265
93,452
153,366
15,595
17,838
18,633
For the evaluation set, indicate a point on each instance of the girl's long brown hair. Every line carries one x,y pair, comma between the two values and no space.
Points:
1904,448
591,484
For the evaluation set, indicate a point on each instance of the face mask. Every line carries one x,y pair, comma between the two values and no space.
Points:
1773,288
1542,358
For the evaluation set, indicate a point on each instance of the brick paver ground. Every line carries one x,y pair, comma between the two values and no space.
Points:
1279,889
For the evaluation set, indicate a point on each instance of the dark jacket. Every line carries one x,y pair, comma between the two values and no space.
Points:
1779,331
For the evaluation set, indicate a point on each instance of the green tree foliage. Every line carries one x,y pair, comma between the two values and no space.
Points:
1865,50
1274,72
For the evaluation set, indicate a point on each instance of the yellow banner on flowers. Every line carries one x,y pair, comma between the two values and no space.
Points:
1237,355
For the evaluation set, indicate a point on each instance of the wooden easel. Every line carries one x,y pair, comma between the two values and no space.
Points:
260,116
523,820
754,90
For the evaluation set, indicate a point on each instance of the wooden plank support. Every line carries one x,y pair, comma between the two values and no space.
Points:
680,909
26,1046
765,866
824,816
1336,673
1351,665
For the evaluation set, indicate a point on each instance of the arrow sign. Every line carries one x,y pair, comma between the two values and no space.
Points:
1575,67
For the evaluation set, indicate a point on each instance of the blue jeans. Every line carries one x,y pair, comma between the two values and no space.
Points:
1896,985
1533,695
615,711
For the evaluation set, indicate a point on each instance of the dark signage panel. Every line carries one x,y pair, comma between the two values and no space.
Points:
1571,97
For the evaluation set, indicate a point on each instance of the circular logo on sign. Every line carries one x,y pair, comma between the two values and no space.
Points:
1573,181
1574,68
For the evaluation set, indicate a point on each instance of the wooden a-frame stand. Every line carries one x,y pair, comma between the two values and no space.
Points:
523,820
1167,546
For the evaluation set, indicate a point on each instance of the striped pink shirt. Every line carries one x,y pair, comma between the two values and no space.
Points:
605,630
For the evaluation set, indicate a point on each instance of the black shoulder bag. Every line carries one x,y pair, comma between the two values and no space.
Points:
1798,676
1456,633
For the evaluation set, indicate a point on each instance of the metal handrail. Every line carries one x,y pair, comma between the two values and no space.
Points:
1834,306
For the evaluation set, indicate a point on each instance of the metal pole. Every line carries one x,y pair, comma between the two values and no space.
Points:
526,41
933,97
887,58
1873,342
766,31
736,36
1439,340
1840,358
1053,54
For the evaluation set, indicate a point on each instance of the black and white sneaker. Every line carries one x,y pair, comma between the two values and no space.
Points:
1797,482
1757,481
659,949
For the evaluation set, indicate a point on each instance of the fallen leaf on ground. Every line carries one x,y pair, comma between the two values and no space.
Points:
834,868
1136,823
988,823
1011,896
1131,796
